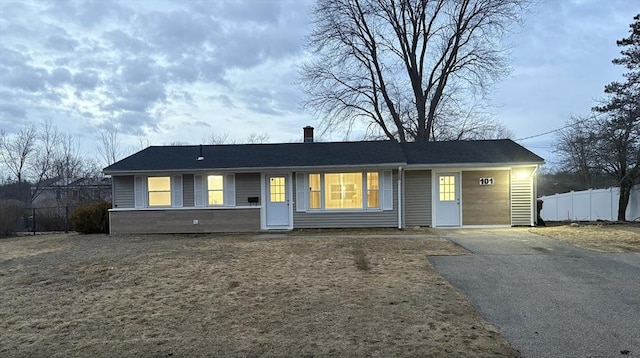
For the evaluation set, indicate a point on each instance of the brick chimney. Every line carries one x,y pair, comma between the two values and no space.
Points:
308,134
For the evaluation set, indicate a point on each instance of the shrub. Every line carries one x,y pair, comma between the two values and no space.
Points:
91,219
10,212
50,219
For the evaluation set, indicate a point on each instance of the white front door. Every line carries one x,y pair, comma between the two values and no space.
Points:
448,199
277,192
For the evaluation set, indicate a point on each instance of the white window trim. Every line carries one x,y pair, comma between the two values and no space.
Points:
146,192
306,190
141,191
201,190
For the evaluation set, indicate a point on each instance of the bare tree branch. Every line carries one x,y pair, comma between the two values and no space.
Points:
109,145
397,63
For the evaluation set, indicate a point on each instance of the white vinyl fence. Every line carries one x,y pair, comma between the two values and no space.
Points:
589,205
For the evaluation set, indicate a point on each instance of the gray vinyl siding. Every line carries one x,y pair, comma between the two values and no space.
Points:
247,185
417,198
336,219
123,196
188,194
521,201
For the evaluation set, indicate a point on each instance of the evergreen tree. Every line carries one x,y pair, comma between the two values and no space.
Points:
619,150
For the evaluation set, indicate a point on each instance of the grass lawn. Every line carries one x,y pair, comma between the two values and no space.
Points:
295,295
603,237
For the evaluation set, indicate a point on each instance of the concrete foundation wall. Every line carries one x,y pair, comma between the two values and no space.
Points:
182,221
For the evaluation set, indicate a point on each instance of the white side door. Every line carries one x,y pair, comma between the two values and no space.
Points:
448,199
278,200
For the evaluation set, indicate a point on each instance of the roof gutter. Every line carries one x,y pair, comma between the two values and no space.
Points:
252,169
320,167
470,165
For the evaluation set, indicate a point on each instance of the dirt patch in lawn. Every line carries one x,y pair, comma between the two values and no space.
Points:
160,296
609,237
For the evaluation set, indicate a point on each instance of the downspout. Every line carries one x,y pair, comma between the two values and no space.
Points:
400,193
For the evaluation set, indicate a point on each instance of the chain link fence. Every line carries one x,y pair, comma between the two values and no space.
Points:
40,219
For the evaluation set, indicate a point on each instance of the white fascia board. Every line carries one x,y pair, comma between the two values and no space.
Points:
257,169
186,208
475,166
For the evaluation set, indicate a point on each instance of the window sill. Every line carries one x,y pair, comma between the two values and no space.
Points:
334,211
168,208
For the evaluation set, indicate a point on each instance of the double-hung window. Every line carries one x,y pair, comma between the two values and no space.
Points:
157,191
373,190
315,192
214,190
340,191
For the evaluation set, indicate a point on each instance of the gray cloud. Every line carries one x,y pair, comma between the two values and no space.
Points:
126,43
27,78
59,76
86,80
139,70
12,110
261,101
259,12
225,100
61,41
134,122
130,62
88,13
12,58
178,32
138,97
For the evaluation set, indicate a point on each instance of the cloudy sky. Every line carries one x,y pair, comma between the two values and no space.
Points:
179,71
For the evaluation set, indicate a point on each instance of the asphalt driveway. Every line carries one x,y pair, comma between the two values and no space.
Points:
548,298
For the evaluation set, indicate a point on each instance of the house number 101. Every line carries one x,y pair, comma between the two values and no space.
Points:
486,181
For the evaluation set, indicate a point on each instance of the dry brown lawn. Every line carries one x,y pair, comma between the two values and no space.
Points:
610,237
231,296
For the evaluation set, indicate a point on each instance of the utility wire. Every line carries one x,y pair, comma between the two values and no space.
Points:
552,131
545,133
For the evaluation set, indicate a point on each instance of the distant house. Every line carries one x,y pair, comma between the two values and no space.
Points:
252,187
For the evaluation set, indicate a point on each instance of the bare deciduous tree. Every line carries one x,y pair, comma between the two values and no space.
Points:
257,138
109,145
216,138
16,150
577,145
223,138
41,167
404,67
36,154
143,142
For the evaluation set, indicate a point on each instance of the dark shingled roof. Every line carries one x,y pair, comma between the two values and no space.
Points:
175,158
316,154
468,152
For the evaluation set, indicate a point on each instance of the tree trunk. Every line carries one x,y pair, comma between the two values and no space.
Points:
625,193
